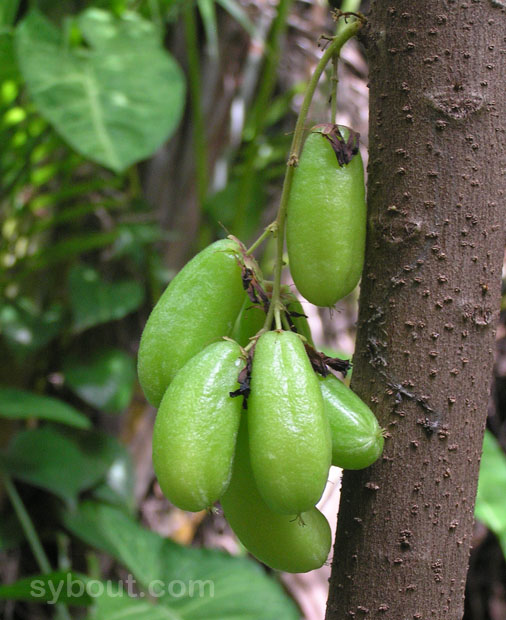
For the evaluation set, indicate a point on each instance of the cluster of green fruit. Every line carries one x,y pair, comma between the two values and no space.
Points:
243,417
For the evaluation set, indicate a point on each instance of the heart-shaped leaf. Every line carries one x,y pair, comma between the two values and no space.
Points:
116,98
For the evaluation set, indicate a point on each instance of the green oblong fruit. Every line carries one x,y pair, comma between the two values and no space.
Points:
196,428
198,307
283,542
357,438
290,442
326,223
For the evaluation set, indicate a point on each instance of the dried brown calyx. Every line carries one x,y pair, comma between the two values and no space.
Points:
345,149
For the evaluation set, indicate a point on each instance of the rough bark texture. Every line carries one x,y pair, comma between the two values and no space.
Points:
428,306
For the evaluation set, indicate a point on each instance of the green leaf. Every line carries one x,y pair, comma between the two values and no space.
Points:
195,583
115,99
8,10
26,329
132,237
118,606
62,463
20,405
8,64
105,380
60,586
95,301
491,498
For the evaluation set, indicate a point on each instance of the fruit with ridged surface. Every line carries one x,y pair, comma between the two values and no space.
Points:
198,307
283,542
290,442
326,217
196,428
357,438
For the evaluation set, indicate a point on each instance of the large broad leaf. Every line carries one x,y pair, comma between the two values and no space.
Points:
95,301
491,497
57,587
60,462
115,99
104,380
21,405
194,583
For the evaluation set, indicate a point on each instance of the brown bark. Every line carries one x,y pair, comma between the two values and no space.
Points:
428,305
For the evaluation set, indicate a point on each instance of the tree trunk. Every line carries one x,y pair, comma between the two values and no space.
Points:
428,305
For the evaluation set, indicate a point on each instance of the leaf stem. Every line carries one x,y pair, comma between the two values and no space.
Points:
199,133
32,537
27,525
332,50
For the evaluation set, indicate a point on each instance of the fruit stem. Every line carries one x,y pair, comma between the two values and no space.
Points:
286,324
334,81
277,317
268,231
333,49
347,7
